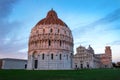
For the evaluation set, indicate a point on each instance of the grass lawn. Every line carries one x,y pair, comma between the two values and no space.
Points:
93,74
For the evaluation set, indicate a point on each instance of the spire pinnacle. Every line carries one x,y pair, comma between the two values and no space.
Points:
51,9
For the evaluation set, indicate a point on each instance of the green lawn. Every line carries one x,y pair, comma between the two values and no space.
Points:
93,74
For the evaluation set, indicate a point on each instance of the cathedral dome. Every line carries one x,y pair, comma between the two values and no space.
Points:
90,49
51,18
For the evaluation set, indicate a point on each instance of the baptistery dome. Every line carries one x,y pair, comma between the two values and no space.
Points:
50,44
51,18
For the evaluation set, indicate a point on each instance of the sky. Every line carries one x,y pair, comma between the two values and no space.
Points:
92,22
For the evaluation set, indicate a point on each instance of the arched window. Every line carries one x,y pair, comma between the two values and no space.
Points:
49,42
60,42
43,31
65,32
58,30
71,55
60,56
52,56
51,30
81,66
35,44
43,56
37,31
67,56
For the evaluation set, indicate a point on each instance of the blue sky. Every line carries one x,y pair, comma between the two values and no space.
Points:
93,22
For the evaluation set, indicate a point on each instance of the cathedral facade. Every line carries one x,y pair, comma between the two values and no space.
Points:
50,44
86,58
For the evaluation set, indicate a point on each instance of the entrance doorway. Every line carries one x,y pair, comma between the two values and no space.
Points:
35,64
87,65
81,66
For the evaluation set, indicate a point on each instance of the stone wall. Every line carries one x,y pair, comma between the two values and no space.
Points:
13,63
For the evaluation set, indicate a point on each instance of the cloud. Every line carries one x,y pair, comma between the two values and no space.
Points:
9,44
12,46
104,22
14,49
112,17
17,55
117,42
98,30
6,7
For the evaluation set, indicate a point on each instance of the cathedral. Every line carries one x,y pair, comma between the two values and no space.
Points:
50,47
50,44
86,58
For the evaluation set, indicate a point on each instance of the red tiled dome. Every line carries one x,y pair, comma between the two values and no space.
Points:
51,18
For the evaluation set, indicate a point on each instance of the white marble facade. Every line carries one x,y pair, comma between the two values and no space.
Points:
83,58
50,44
86,58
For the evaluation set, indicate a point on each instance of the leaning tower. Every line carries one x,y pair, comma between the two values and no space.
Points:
108,53
50,44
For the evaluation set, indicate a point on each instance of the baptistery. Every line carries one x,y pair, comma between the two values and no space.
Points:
50,45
